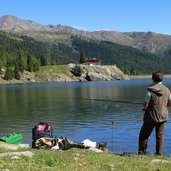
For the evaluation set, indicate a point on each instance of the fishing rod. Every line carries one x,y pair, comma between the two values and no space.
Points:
105,100
112,135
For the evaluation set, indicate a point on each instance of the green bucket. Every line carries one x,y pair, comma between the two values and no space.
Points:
14,138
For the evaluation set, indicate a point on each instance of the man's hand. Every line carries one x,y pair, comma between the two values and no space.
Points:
169,103
146,106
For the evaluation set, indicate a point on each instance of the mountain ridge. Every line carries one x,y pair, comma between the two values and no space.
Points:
151,42
133,52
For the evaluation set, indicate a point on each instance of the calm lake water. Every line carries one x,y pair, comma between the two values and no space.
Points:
67,108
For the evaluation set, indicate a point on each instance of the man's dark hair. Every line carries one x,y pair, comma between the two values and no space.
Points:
157,76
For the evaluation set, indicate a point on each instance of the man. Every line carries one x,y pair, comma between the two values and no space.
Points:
157,99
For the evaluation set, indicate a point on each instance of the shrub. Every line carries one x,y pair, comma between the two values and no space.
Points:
77,71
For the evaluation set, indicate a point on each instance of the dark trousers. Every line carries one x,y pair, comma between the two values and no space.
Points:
145,132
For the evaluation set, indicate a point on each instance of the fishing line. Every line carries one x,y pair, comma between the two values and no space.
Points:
114,101
112,121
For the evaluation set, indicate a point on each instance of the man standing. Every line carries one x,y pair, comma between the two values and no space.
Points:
157,99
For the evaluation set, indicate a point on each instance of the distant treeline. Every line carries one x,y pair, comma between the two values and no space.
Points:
25,53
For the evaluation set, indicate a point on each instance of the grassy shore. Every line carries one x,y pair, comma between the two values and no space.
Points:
42,75
80,160
54,73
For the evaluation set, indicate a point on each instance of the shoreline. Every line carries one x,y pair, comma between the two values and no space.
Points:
131,77
138,77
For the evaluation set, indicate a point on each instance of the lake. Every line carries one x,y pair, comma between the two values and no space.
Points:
79,111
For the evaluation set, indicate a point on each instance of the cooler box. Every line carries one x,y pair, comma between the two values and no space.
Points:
14,138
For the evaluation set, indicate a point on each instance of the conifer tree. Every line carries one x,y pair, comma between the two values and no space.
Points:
30,64
44,60
16,72
33,64
8,73
36,65
0,67
82,57
21,62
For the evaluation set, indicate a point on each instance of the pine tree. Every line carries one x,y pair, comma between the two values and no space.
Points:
8,73
36,65
30,64
82,57
0,67
33,64
44,60
21,63
132,72
16,72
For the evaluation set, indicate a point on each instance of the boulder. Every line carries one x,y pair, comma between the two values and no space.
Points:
98,72
23,153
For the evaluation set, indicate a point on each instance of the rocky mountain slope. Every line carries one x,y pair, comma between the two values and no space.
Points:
146,41
155,43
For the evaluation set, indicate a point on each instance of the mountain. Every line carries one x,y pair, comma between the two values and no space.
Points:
155,43
11,23
152,42
133,52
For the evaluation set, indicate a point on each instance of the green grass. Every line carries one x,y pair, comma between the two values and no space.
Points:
40,76
53,69
80,160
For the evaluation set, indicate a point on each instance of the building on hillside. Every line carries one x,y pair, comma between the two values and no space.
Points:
92,62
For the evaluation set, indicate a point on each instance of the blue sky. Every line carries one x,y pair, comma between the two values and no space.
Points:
93,15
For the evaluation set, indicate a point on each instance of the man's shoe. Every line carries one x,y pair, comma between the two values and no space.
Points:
158,154
141,153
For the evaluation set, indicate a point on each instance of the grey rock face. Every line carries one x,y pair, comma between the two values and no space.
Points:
99,73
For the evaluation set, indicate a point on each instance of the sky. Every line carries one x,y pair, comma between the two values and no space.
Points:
95,15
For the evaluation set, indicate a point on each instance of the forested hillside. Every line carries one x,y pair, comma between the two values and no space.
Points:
45,53
130,60
27,53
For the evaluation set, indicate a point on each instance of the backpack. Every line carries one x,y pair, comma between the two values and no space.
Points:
42,129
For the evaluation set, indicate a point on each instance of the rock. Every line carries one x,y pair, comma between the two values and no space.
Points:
13,146
98,72
55,77
8,146
24,153
93,76
95,150
24,145
158,161
14,157
27,77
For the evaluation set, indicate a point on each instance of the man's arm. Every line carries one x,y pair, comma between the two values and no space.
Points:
146,105
169,101
147,99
